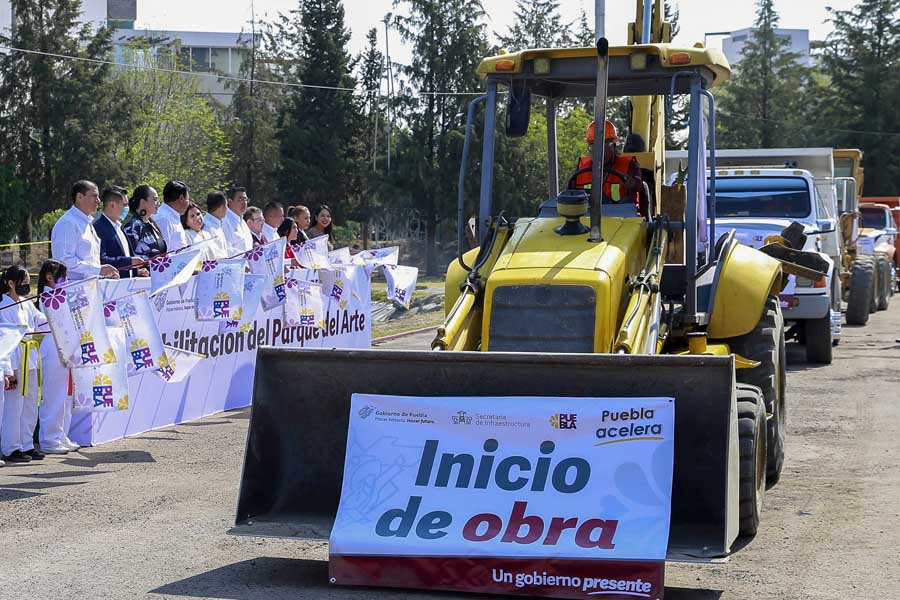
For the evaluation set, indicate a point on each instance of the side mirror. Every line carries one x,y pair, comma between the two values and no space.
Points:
518,110
825,225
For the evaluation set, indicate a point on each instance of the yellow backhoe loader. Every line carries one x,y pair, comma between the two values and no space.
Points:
583,298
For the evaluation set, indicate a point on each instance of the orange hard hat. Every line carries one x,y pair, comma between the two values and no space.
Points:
609,133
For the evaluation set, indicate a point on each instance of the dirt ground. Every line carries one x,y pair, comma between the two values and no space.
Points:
146,517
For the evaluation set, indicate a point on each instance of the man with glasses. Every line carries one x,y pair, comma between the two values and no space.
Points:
73,240
255,221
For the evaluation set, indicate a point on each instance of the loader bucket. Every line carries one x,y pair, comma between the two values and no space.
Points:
291,482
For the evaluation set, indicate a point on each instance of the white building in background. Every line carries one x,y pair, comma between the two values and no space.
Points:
208,54
205,53
733,44
115,13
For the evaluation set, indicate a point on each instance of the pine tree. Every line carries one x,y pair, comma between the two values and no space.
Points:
319,123
538,24
861,60
253,127
57,115
767,87
448,42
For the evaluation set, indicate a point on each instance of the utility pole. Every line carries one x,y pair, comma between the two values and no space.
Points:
252,150
599,19
389,111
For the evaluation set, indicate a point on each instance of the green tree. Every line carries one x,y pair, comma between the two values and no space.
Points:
767,87
448,41
370,136
252,129
174,131
538,24
318,124
57,115
861,60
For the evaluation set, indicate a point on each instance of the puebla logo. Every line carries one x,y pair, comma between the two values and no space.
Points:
140,355
166,367
102,390
221,304
279,288
88,350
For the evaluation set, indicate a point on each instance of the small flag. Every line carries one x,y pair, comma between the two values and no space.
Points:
401,282
379,257
268,260
341,256
313,254
143,341
177,364
339,284
253,290
173,269
75,315
103,388
304,305
220,290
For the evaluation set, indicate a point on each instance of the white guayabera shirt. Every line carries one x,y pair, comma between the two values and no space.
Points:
239,237
74,243
169,223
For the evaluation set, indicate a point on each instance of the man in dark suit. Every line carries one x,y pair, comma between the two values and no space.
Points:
114,249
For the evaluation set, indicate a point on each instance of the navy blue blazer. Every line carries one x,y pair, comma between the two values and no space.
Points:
111,250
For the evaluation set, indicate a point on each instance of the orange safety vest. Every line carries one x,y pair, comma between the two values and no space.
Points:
613,188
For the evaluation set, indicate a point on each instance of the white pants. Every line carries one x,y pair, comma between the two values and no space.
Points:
20,416
56,409
2,403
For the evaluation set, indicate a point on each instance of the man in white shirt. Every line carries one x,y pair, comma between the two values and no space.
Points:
176,199
73,240
236,231
216,209
114,248
274,216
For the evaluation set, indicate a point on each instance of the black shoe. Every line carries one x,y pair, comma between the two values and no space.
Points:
17,457
35,454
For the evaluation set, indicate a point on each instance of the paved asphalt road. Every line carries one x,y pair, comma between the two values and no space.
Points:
146,517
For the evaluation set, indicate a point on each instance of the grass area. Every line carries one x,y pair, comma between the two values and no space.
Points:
412,323
425,286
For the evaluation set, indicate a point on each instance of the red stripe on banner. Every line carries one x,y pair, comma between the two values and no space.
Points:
550,578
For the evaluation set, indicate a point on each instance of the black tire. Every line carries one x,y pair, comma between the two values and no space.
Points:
765,344
884,279
862,285
752,439
818,340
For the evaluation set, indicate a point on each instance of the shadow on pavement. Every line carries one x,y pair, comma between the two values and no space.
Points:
7,495
88,458
796,359
59,474
41,485
274,578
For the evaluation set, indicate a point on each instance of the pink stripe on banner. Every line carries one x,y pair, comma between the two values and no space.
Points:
549,578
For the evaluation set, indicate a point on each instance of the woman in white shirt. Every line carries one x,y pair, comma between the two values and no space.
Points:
20,410
192,221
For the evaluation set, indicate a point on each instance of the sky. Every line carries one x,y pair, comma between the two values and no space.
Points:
697,16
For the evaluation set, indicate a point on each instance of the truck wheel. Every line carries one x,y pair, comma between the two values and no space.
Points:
818,340
884,279
752,439
862,284
765,344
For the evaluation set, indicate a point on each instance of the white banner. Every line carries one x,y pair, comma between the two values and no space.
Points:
10,337
582,478
177,364
143,341
173,269
223,380
379,257
220,290
103,388
75,314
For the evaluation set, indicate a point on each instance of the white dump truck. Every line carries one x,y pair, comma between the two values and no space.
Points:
759,192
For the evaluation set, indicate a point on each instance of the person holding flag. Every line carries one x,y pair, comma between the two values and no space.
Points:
56,408
8,378
20,411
